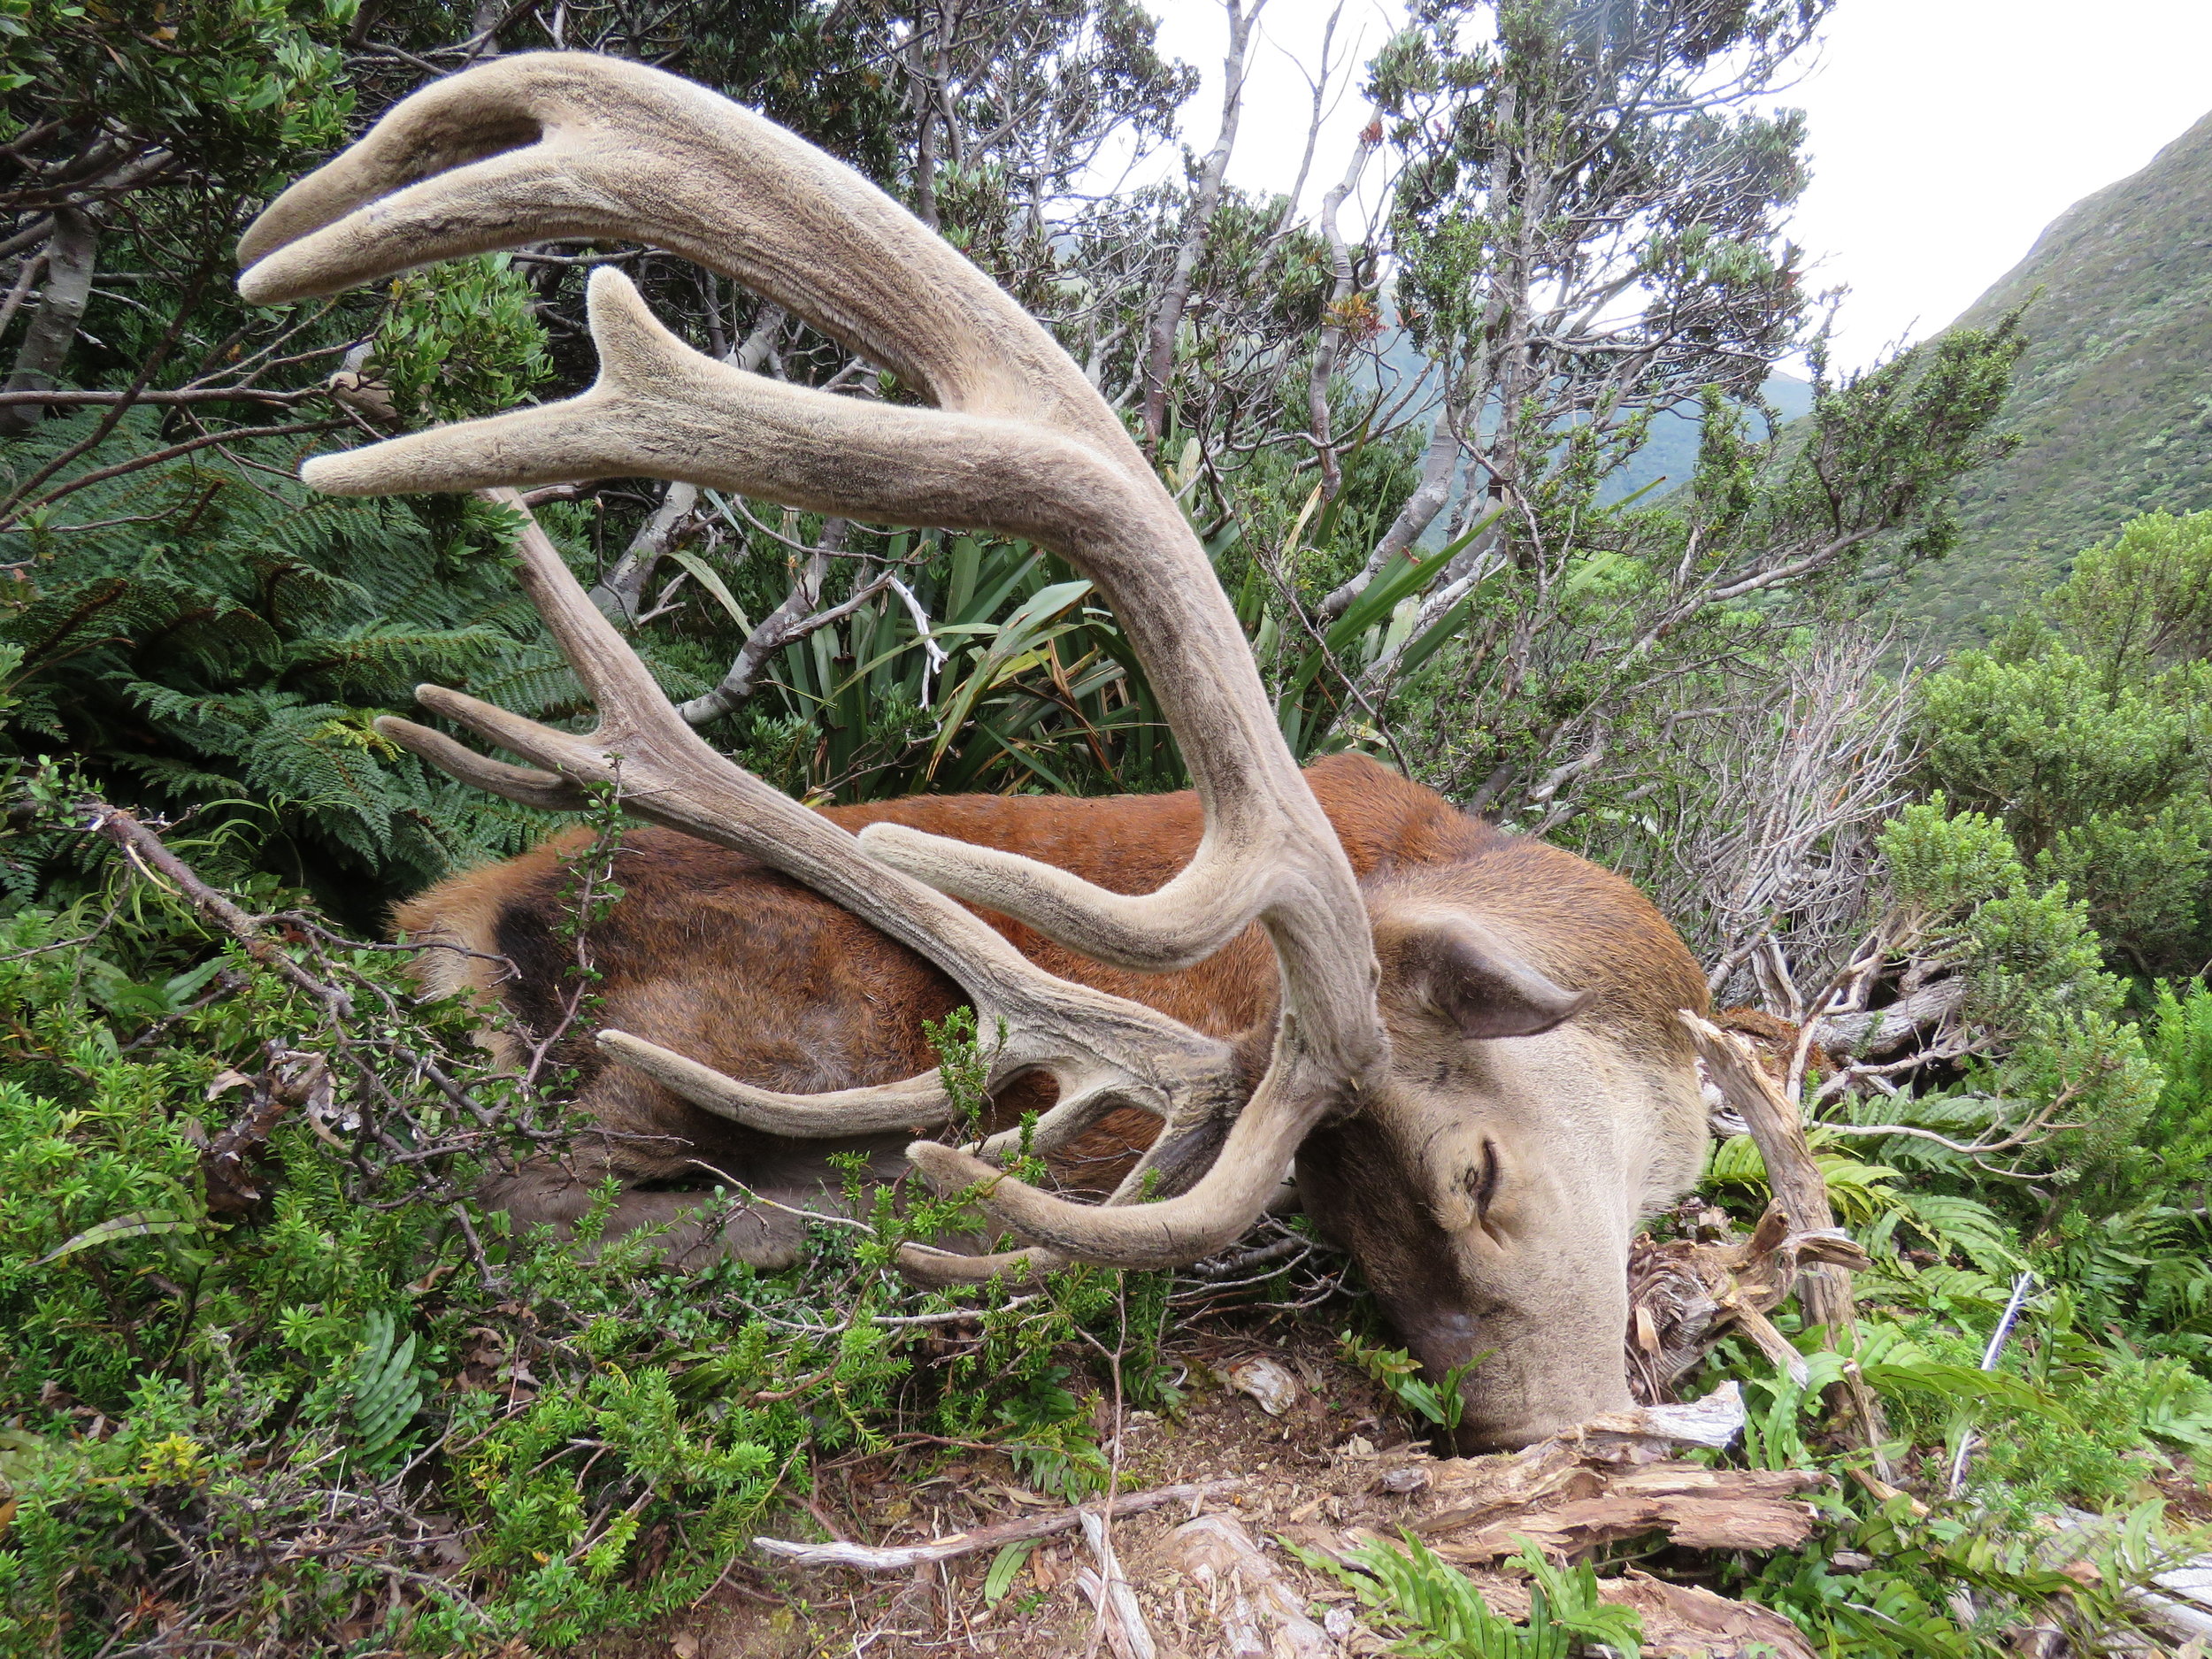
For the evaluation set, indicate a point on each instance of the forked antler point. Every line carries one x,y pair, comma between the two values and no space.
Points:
536,146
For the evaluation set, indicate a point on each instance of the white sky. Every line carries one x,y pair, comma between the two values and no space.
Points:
1945,133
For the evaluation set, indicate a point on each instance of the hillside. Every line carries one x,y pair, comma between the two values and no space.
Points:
1665,460
2114,404
1672,455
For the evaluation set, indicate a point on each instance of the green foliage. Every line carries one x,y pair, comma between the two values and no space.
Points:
1860,1192
2035,988
1616,650
2177,1134
1437,1403
237,86
1437,1614
1950,1587
386,1396
2112,401
1038,688
309,1381
2084,730
234,670
557,1403
460,339
1010,1561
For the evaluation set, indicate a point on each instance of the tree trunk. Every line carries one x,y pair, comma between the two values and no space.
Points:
70,259
1414,518
1317,411
484,20
620,593
1205,203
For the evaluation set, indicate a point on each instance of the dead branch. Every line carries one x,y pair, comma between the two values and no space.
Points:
1204,204
1884,1030
1608,1481
144,851
1775,1124
866,1558
1111,1594
1824,1287
1686,1295
1678,1618
790,622
293,1081
621,593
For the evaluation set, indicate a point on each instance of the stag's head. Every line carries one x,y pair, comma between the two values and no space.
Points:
1490,1188
1486,1176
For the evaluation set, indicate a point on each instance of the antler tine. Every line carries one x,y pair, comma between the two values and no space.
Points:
543,145
1020,443
549,145
916,1103
1098,1046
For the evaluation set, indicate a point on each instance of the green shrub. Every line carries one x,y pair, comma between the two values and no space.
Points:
327,1398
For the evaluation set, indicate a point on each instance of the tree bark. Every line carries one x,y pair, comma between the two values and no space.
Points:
620,595
1205,203
1414,518
71,254
794,619
1340,287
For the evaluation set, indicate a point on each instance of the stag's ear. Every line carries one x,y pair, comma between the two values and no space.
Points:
1462,972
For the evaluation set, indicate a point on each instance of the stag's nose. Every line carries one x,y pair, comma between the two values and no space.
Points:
1500,1417
1515,1389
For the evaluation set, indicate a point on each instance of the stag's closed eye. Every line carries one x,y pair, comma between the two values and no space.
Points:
1482,1178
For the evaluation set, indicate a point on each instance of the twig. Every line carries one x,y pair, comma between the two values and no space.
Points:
145,850
1115,1594
2021,1286
864,1558
155,458
187,395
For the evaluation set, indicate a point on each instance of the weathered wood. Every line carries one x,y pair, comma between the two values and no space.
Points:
1824,1287
1111,1594
1264,1614
867,1558
1687,1295
1882,1030
1688,1620
1570,1501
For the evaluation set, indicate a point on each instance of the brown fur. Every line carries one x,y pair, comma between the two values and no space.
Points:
711,954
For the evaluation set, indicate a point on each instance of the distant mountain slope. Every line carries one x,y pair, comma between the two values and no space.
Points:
2114,402
1667,459
1672,453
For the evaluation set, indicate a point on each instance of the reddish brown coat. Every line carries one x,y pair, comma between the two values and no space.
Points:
711,954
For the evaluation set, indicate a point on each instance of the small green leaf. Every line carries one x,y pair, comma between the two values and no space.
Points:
138,1224
1004,1565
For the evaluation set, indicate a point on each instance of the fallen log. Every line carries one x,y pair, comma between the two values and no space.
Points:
1610,1481
1583,1505
1681,1621
900,1558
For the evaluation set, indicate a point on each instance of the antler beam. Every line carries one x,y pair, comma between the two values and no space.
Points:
555,144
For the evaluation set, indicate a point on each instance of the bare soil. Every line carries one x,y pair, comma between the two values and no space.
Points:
1317,1468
